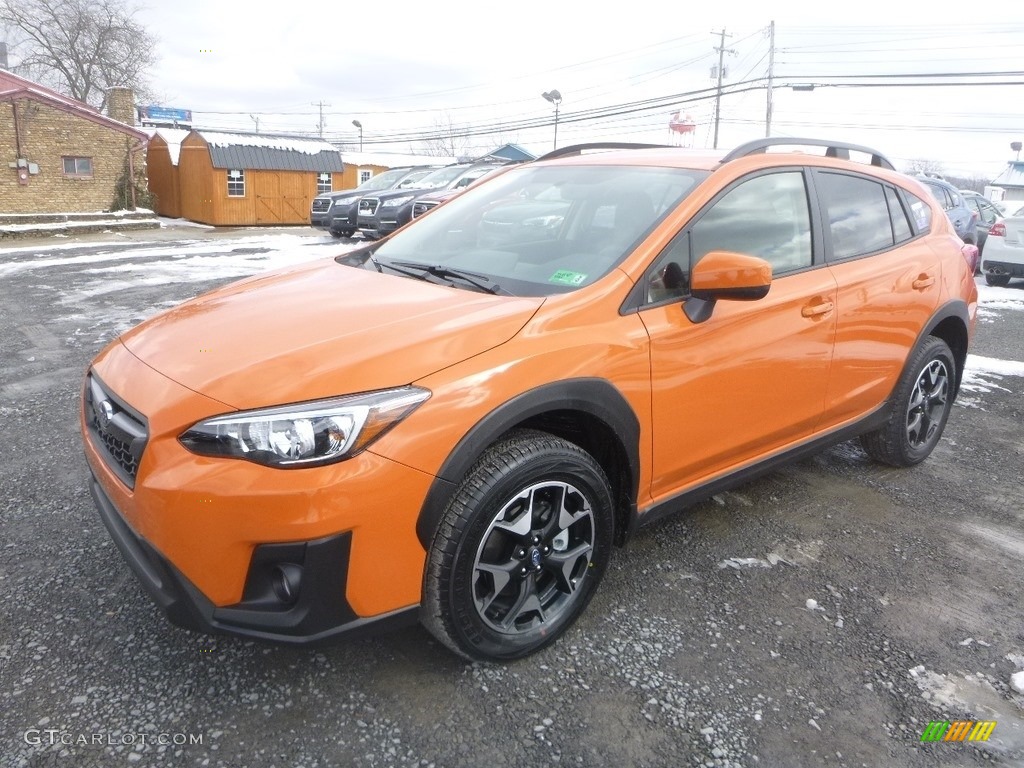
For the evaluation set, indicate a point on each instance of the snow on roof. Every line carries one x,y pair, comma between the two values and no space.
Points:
173,138
285,143
392,160
1012,175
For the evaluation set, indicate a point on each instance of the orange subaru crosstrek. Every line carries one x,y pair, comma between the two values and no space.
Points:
457,423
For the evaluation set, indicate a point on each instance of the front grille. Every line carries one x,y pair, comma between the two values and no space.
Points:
321,204
368,206
422,206
117,431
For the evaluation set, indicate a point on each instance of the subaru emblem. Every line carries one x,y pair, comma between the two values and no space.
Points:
104,413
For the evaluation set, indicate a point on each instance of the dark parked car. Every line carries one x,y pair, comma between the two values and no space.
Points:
336,211
382,214
952,201
433,199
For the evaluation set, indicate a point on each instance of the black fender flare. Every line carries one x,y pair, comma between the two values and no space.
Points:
596,397
955,309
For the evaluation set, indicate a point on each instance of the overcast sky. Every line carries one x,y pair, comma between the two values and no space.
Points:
409,67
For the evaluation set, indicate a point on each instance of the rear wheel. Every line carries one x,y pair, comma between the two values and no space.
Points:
923,400
520,549
998,281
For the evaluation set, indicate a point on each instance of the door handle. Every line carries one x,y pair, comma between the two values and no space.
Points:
924,281
813,310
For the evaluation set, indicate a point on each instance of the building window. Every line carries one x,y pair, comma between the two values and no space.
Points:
365,174
236,183
323,183
78,166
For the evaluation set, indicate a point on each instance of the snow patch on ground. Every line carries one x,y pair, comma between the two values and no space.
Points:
983,374
274,251
1000,298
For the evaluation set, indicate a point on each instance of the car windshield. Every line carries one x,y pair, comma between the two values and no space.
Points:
412,180
539,230
382,180
442,177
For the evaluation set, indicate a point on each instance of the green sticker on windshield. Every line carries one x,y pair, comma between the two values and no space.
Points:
567,277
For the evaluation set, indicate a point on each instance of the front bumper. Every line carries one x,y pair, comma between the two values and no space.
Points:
319,611
198,531
343,217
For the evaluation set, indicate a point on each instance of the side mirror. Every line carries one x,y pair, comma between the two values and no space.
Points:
723,275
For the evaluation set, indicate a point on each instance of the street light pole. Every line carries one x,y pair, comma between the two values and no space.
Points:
555,98
359,125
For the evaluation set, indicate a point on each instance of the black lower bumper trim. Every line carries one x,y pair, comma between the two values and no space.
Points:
320,613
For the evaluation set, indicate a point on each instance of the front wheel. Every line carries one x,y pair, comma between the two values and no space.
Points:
923,400
520,549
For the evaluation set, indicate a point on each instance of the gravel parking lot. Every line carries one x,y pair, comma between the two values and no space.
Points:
824,615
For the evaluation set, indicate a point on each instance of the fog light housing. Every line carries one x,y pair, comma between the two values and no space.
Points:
286,581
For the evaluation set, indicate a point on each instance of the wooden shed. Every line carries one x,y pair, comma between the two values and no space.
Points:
162,164
242,179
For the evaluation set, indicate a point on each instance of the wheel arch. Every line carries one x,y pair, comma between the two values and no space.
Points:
950,323
591,413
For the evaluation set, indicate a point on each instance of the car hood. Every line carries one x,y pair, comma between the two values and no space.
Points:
321,330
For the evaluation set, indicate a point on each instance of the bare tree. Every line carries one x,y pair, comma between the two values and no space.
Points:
446,140
451,140
79,47
921,166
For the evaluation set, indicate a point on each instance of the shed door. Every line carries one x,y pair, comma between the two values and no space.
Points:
267,188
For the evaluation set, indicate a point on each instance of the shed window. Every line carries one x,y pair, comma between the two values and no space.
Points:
323,183
77,166
365,174
236,183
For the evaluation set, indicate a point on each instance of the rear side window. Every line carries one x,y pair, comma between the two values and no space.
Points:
858,215
920,212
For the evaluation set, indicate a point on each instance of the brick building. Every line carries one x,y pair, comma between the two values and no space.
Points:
60,155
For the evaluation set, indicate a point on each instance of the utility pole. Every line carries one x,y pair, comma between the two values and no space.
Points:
256,119
771,75
718,93
321,125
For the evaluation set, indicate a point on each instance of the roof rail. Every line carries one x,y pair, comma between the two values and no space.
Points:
579,149
838,149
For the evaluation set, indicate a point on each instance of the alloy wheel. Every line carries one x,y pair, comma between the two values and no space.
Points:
533,557
928,403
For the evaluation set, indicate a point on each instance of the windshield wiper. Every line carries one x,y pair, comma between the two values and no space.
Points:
482,282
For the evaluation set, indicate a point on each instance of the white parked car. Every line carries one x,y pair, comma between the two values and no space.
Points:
1003,257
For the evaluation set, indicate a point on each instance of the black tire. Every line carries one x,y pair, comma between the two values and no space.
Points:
336,233
520,549
921,406
998,281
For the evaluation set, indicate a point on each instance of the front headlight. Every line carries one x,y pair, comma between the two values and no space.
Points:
346,200
304,434
394,202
